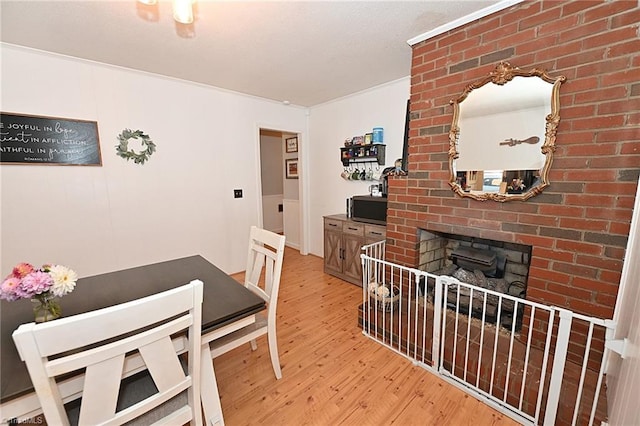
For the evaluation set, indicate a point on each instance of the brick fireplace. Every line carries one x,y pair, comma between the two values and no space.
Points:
577,228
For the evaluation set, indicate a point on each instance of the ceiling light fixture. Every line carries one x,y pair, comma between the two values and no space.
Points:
183,11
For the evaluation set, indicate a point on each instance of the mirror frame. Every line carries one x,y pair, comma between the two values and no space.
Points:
501,75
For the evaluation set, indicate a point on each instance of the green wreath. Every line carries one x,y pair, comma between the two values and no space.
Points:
129,154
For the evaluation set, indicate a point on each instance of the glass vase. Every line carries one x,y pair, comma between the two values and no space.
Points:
45,308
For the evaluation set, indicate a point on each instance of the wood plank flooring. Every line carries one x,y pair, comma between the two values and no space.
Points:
331,373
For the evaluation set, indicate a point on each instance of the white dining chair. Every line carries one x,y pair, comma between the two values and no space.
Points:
103,342
262,276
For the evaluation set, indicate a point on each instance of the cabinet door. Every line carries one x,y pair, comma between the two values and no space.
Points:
352,266
332,248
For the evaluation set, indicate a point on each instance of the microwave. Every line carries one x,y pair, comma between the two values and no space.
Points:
368,209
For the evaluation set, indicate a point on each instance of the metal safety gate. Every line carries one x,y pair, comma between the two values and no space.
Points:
537,364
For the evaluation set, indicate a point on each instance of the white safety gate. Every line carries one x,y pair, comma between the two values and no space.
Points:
537,364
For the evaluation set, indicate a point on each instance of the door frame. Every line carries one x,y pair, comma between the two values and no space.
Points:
303,178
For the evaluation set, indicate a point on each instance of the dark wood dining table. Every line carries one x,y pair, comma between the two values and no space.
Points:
226,302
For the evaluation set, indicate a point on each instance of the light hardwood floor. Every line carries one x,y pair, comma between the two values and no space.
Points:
331,373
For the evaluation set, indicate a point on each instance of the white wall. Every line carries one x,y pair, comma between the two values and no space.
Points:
99,219
329,125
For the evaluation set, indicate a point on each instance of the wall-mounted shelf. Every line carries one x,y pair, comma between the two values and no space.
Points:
369,153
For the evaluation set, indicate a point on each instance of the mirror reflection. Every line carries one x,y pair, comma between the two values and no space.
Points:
498,181
503,135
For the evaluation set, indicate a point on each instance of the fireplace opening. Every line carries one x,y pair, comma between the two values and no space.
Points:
499,266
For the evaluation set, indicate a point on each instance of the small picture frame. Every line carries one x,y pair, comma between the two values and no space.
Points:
291,168
368,137
292,144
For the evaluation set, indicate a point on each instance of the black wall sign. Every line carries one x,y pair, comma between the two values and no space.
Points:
30,139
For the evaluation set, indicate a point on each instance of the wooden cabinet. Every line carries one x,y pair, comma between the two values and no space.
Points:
332,246
343,240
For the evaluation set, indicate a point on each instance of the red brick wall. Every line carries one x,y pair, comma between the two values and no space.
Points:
578,226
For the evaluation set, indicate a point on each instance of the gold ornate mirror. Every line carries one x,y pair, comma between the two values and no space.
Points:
503,134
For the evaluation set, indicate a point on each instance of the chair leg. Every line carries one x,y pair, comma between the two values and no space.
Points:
211,407
273,351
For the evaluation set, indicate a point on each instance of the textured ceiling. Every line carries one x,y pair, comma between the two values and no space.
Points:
305,53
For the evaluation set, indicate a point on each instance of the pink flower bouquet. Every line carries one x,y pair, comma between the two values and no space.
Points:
41,285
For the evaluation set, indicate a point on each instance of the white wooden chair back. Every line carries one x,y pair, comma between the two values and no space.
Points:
264,267
99,341
266,253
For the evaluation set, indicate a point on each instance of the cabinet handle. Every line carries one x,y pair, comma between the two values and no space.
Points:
353,229
333,224
376,233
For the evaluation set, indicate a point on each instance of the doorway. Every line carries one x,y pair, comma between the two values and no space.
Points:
279,184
